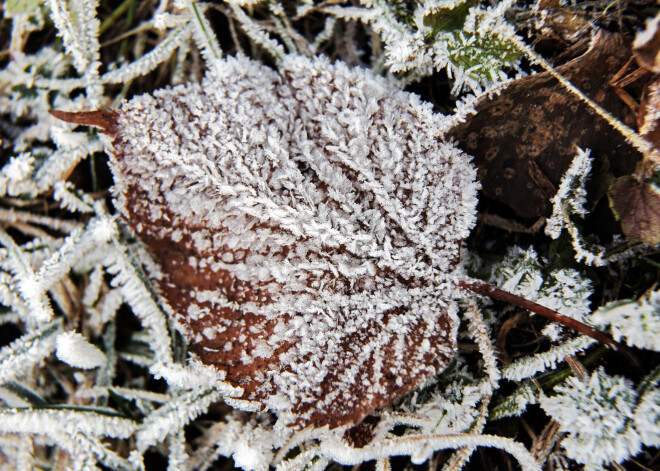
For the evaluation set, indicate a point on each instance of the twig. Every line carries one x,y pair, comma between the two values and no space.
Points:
485,289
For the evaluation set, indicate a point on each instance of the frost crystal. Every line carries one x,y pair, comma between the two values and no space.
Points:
307,226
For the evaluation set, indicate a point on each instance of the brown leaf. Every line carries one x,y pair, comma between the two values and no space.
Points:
524,140
306,229
637,205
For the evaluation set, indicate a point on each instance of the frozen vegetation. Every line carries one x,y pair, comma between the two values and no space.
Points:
272,276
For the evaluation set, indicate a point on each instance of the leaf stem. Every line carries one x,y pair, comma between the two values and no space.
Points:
485,289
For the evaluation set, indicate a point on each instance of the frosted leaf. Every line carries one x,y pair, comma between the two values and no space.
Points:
74,349
597,416
307,226
636,322
426,35
563,290
647,418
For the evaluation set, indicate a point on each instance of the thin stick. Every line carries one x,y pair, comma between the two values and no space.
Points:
485,289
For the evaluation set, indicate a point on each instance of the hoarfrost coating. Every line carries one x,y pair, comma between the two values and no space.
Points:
307,228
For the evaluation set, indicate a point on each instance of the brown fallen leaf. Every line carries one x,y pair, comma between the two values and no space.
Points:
524,140
561,21
267,201
637,205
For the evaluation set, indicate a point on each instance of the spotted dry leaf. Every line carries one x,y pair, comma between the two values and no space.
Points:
637,205
306,226
524,140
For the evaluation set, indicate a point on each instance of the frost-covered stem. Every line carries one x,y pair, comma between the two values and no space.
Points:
65,420
570,200
635,139
95,448
204,36
172,417
80,37
18,33
83,47
107,372
284,34
64,86
28,284
287,31
341,453
151,60
18,357
178,458
595,256
180,67
479,332
256,33
138,293
328,30
484,289
11,216
468,105
529,366
25,451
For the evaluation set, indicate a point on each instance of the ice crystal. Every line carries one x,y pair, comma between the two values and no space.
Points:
307,226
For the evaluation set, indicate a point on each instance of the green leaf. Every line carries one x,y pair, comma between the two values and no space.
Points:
448,19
